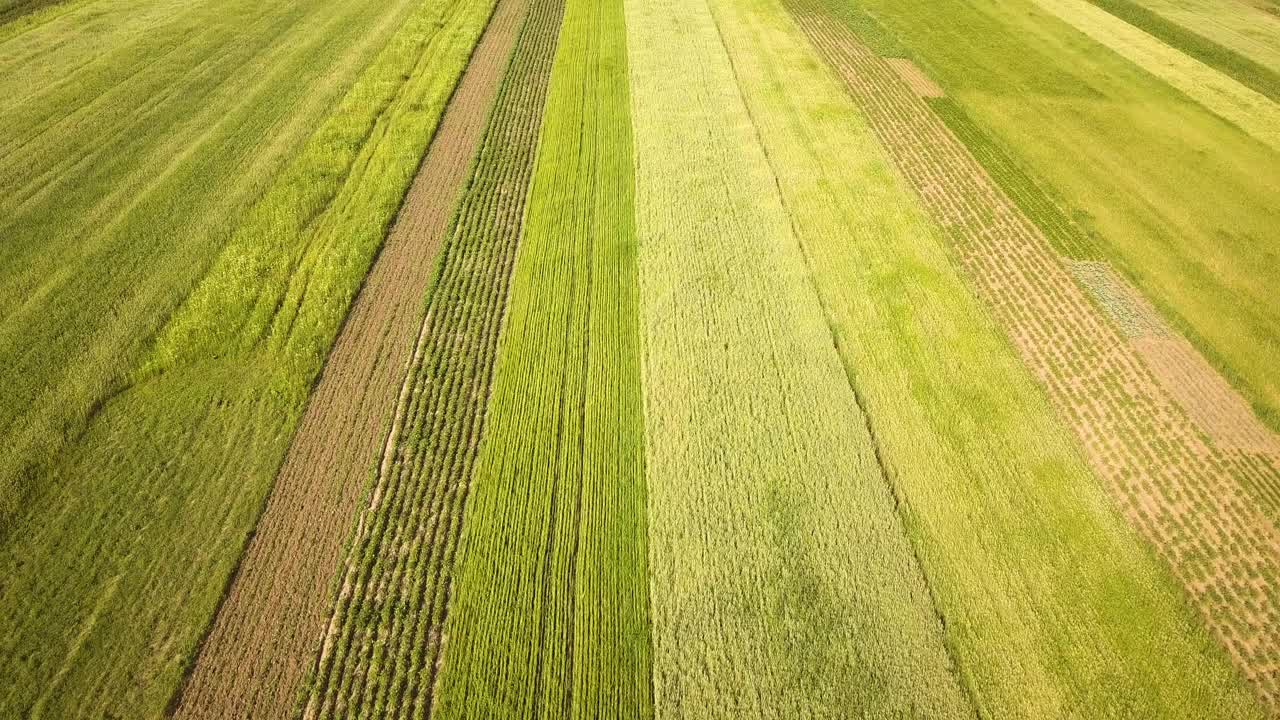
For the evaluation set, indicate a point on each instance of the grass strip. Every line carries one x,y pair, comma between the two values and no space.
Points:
1248,71
549,616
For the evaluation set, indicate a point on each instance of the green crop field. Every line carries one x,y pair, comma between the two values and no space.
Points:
651,359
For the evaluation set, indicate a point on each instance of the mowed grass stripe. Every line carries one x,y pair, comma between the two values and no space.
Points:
1191,39
145,96
34,64
778,561
1244,106
1178,488
46,13
1028,192
270,625
1248,27
550,597
999,502
11,10
381,651
116,572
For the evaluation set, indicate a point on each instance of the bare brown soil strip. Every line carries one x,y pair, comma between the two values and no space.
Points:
1175,485
273,618
1208,399
916,79
402,556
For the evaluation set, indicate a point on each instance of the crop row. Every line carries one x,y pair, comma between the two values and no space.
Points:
1175,485
1016,182
1249,72
381,651
1220,93
548,612
273,618
120,177
1111,132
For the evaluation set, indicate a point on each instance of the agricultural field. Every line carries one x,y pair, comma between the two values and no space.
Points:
651,359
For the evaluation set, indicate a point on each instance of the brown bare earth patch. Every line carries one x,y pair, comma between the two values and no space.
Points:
1208,399
915,78
271,622
1210,402
1178,486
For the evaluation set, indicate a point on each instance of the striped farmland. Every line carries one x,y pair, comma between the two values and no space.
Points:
274,613
639,359
778,560
998,501
382,647
1172,482
549,614
195,390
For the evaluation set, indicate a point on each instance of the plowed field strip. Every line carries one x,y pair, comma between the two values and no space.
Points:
381,650
158,493
913,76
1176,487
270,622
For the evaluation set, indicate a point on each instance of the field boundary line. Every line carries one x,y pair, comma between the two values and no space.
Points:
408,533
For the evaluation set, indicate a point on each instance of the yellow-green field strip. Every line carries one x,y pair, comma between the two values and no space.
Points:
763,362
997,499
280,608
1233,37
1165,189
1252,111
1240,26
143,511
1171,481
778,561
143,153
382,648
